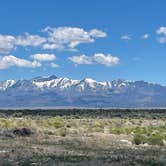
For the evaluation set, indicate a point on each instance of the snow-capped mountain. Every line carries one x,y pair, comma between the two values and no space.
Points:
51,91
6,84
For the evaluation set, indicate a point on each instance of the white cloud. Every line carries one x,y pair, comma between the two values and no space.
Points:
9,43
48,46
43,57
145,36
161,31
53,65
54,38
162,39
29,40
10,61
70,37
107,60
6,43
126,37
82,59
98,58
97,33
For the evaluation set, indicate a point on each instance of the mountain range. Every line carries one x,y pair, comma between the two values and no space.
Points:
51,91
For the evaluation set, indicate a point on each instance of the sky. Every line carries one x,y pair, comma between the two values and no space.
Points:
99,39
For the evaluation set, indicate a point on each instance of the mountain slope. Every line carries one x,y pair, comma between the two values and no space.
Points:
52,91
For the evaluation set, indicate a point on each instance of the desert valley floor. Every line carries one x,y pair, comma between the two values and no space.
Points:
83,137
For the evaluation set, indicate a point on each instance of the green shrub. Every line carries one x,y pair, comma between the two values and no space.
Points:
17,114
117,131
98,124
98,129
128,130
63,132
156,140
139,139
58,122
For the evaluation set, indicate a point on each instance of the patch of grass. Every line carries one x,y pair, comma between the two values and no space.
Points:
156,139
98,129
117,131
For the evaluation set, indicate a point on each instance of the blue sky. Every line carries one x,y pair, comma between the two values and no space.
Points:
101,39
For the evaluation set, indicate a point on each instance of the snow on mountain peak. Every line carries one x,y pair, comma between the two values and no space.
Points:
6,84
53,91
54,82
48,82
89,80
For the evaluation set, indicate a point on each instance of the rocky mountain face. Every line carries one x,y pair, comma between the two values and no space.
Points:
52,91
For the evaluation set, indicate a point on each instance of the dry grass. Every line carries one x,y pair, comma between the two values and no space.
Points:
70,140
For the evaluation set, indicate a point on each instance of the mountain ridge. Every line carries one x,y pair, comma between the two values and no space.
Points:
51,91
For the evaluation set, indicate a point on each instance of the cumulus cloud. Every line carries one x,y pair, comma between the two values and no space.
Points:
162,32
52,39
162,39
82,59
125,37
7,43
53,65
145,36
107,60
10,61
29,40
43,57
70,37
48,46
97,33
98,58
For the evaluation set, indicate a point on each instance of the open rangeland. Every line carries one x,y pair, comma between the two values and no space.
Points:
83,137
